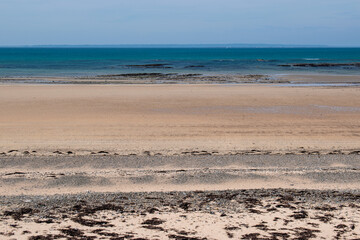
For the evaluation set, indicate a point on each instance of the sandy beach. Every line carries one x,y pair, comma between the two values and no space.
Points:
239,214
176,119
180,197
180,161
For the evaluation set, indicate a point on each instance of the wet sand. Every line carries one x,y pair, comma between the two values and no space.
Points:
33,175
318,79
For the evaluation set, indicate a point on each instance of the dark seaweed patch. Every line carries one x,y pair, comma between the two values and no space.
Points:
17,215
91,223
300,214
179,237
73,232
153,221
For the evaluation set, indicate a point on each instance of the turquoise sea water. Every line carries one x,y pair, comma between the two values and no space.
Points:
97,61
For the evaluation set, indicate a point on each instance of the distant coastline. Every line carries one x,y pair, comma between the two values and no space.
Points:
230,45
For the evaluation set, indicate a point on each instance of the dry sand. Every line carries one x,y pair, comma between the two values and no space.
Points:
171,119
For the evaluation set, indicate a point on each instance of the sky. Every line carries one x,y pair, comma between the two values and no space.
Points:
101,22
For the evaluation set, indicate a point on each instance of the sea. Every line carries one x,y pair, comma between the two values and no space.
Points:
93,61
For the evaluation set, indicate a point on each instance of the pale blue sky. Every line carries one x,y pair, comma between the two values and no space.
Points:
329,22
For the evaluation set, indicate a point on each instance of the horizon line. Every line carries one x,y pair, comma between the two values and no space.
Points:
203,45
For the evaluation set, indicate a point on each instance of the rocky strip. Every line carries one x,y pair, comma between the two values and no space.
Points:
322,65
148,78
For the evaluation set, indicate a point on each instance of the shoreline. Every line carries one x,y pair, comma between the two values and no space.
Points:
193,79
